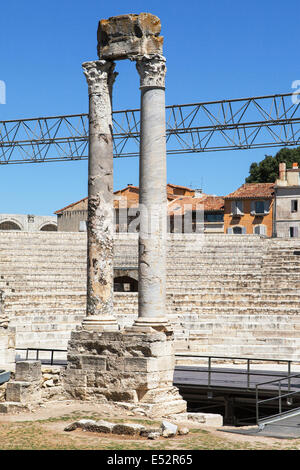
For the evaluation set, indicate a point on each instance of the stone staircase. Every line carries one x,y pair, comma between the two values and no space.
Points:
226,294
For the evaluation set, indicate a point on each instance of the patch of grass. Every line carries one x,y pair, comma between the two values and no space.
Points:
47,434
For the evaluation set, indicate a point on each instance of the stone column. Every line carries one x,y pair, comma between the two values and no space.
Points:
153,196
100,227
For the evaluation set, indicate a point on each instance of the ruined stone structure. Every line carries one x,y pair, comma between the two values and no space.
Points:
135,364
28,223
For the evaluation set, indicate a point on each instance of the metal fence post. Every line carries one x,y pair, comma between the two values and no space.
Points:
209,371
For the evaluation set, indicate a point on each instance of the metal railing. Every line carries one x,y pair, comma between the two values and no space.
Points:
281,395
37,357
248,371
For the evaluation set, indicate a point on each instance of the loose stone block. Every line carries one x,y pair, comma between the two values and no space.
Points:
128,429
168,429
140,364
126,36
22,392
93,362
28,371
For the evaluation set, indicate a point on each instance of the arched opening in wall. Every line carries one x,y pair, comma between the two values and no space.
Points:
9,225
49,228
125,284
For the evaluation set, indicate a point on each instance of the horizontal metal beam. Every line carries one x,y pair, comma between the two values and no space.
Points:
237,124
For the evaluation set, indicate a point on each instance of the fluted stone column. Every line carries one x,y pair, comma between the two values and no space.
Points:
100,228
153,197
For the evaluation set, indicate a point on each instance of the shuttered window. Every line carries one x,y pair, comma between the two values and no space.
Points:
260,230
237,207
259,207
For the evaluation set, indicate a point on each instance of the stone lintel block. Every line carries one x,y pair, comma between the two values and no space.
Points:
81,335
112,394
92,362
28,371
140,364
127,36
165,348
13,407
159,395
149,364
143,337
74,377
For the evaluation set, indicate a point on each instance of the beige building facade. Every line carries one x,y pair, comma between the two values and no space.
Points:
287,202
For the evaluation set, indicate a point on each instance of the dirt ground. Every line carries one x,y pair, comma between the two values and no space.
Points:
43,429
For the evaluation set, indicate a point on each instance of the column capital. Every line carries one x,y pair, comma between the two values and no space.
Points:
99,73
152,70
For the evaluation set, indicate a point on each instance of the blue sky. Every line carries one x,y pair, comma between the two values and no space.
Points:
214,50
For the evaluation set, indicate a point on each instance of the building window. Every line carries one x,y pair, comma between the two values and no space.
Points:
294,205
260,230
213,217
259,207
82,226
237,207
293,232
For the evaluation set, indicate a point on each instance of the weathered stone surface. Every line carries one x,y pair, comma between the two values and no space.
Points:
104,426
152,71
7,343
168,429
128,428
209,419
23,392
28,371
148,432
154,435
129,375
71,427
182,431
2,392
127,36
14,407
100,228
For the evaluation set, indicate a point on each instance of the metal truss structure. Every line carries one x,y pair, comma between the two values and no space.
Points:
246,123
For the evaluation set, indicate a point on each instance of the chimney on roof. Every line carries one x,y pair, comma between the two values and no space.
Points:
129,184
198,192
282,171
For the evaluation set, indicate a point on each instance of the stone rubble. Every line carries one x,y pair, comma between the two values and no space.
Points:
166,429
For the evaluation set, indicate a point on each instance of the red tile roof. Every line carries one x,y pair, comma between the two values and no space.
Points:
253,191
70,205
211,203
184,204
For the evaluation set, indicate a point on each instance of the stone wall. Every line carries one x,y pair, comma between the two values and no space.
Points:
226,294
29,222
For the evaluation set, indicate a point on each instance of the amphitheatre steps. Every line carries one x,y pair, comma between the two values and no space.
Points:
226,294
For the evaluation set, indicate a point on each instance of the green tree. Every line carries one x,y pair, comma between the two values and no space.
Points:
267,170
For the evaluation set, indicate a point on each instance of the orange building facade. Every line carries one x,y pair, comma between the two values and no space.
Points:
249,210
